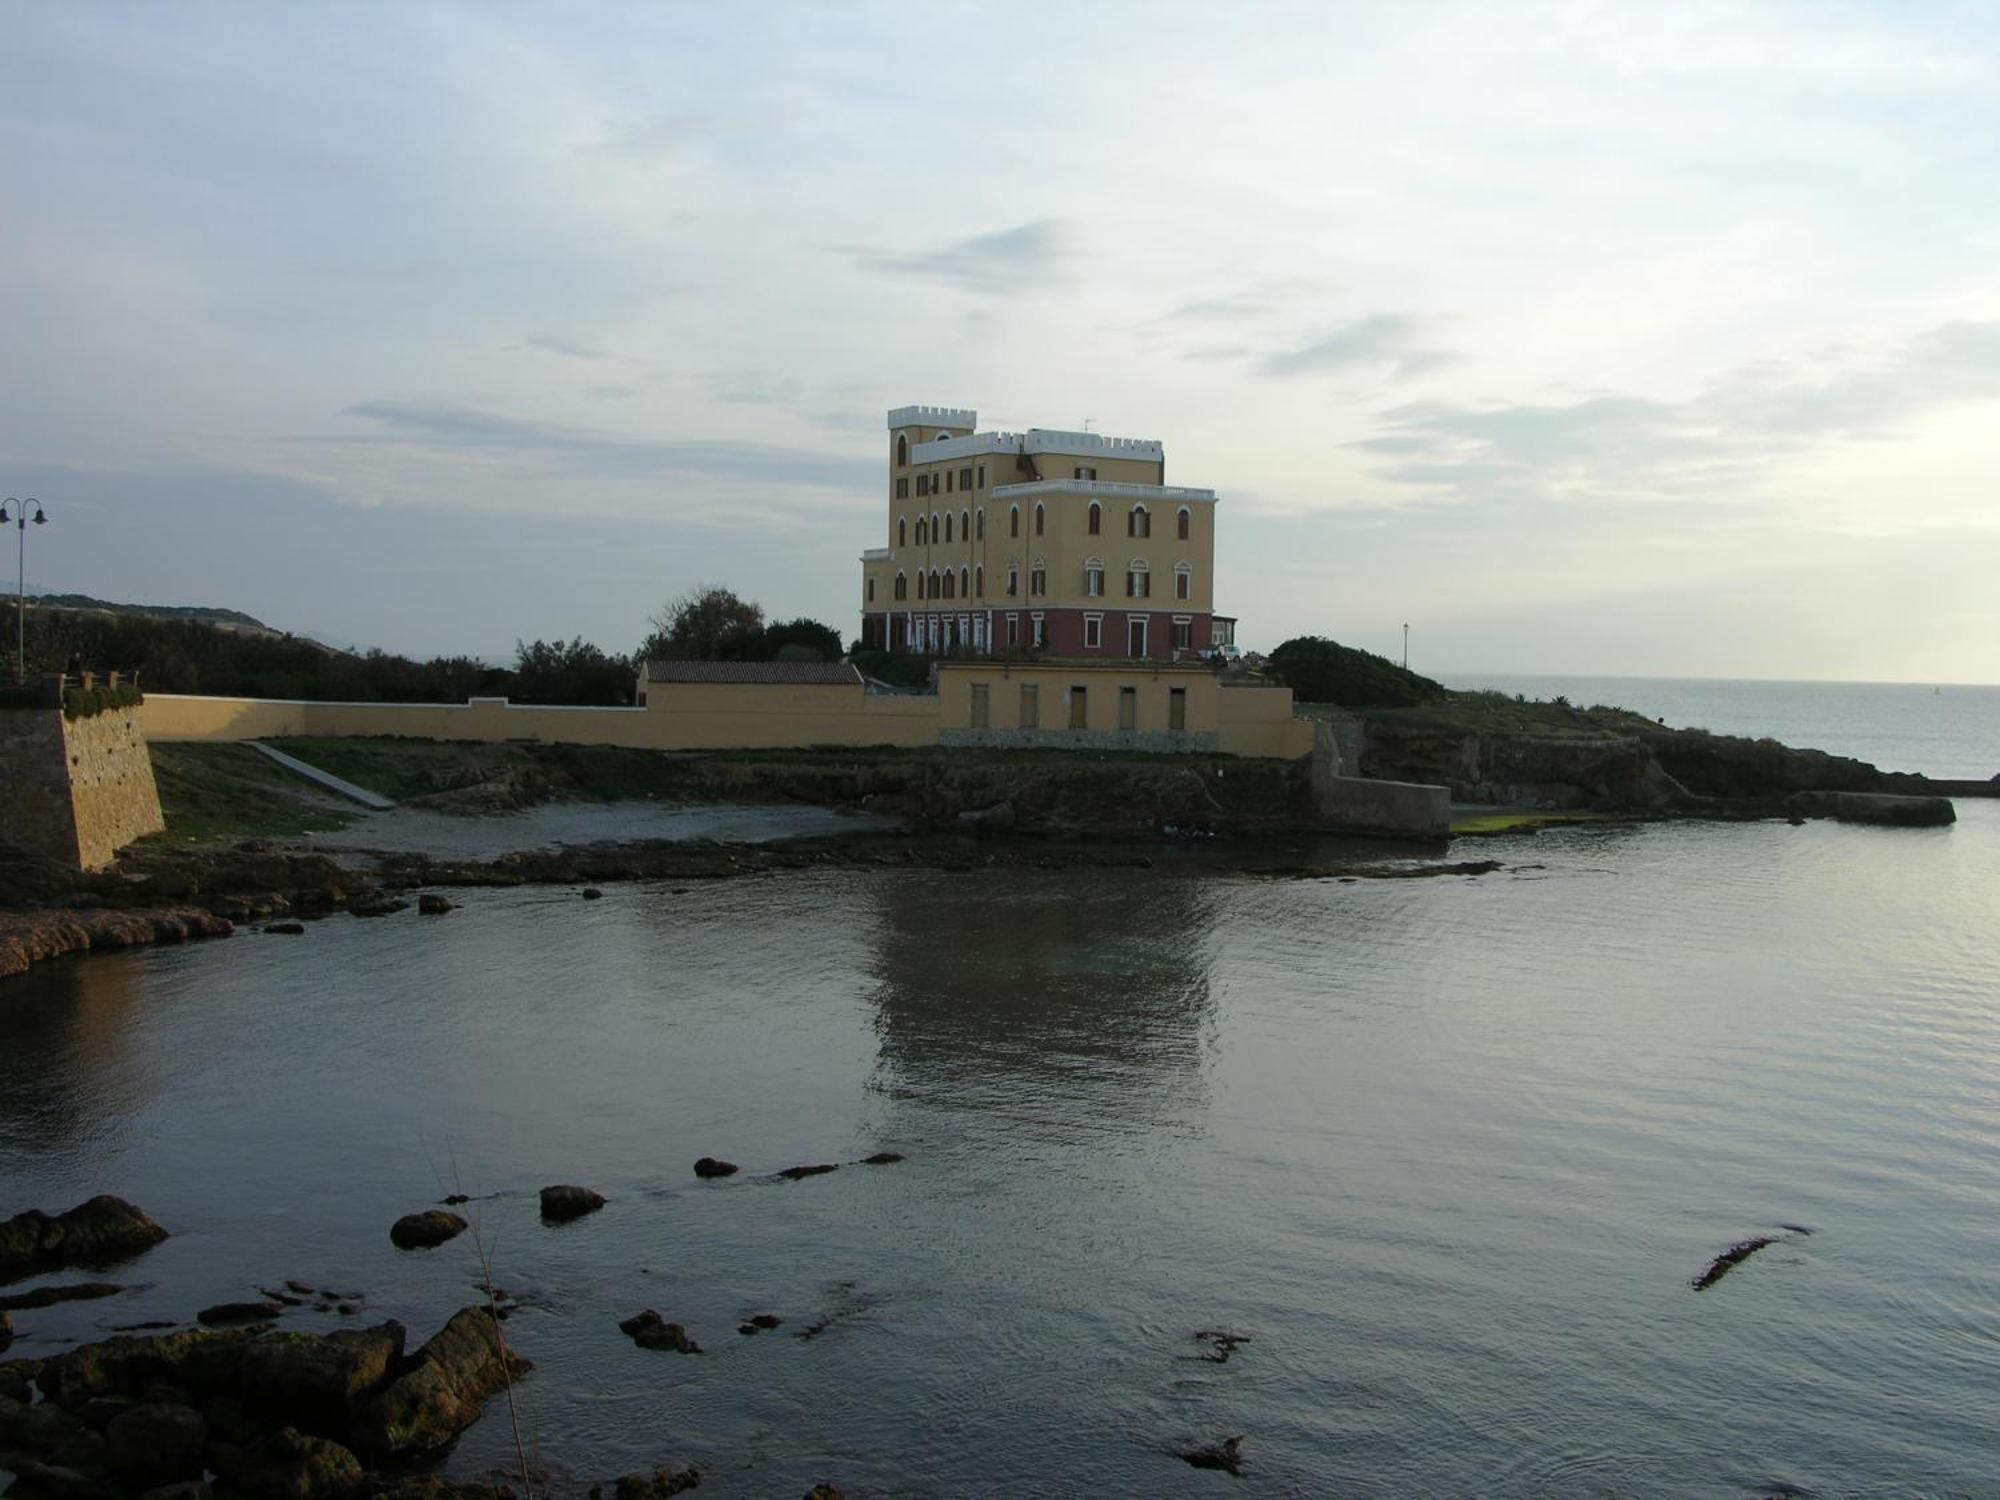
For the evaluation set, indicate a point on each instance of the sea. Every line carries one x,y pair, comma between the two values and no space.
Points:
1405,1183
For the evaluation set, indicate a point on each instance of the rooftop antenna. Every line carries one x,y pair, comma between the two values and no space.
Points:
1086,423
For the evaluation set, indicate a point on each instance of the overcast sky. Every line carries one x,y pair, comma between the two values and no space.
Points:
1647,339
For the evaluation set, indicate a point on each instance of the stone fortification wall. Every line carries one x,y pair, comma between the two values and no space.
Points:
76,791
36,814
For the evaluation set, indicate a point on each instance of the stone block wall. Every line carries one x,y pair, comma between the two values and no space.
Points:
76,790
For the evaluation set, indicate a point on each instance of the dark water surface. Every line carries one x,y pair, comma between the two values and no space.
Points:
1447,1151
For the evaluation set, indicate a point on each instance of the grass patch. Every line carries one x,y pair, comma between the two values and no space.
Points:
1475,825
213,793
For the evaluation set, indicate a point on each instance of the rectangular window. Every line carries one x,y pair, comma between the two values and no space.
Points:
1177,710
1038,582
1013,582
965,479
1137,584
903,488
1183,631
1093,582
1013,628
1182,581
1084,473
982,476
1036,622
1031,702
1128,708
979,705
1079,715
923,485
1135,637
1093,632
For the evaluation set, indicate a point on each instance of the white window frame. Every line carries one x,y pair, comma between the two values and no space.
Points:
1093,632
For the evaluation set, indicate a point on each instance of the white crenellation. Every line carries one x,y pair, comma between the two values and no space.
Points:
931,416
1039,440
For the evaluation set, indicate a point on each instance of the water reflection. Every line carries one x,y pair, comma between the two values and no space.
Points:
67,1037
1058,1006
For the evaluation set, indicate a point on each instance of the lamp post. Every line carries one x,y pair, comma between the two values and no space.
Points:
20,512
1406,648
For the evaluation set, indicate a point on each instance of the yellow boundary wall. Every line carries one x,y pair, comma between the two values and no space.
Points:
1253,722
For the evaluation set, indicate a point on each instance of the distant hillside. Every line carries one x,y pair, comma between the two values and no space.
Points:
201,614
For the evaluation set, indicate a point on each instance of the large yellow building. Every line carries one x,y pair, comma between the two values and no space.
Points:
1039,542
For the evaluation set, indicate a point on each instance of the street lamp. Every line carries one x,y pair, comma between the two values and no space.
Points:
1406,648
21,512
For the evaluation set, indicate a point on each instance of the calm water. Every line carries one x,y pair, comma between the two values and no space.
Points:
1447,1151
1946,731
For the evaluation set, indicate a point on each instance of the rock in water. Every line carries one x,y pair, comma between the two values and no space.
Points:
431,905
824,1492
238,1312
49,1296
319,1383
286,929
564,1202
592,893
96,1232
708,1166
290,1465
794,1174
1226,1455
1729,1260
657,1485
421,1412
426,1230
650,1331
156,1442
881,1159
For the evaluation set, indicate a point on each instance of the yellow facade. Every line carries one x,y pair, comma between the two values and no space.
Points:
1046,540
709,716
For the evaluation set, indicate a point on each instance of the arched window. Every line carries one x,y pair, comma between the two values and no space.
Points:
1013,579
949,591
1183,577
982,523
1184,522
1041,518
965,524
902,532
902,450
871,591
935,533
1093,577
920,585
979,578
1138,582
947,526
1096,518
1138,523
920,532
965,583
902,586
1013,520
1038,578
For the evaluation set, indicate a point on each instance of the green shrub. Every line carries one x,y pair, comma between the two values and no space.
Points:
88,703
1318,670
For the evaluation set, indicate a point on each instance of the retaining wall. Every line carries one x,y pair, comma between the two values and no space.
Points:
76,790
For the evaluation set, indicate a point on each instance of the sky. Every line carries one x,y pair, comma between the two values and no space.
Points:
1597,338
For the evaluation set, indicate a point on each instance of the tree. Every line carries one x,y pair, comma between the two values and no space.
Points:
704,624
800,640
1318,670
577,673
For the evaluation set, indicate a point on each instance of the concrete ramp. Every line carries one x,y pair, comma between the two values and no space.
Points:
325,780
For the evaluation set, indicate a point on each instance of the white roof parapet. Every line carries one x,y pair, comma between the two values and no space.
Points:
1166,494
1040,440
876,554
931,416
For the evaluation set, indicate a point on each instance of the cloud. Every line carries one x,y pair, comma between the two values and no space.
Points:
467,431
1007,260
1383,341
655,139
1608,445
557,344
